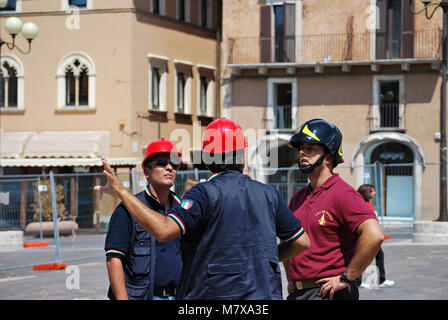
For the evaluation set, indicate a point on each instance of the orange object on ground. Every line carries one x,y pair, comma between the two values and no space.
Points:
50,266
386,237
36,244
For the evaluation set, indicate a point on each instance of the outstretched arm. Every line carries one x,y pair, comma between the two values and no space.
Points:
160,226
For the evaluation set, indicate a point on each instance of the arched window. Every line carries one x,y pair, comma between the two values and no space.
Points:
76,82
11,83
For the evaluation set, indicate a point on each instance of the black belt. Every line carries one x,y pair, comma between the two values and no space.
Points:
165,291
306,284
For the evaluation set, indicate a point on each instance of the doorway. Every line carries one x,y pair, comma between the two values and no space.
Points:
395,179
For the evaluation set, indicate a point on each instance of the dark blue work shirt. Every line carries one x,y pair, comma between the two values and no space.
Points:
126,237
231,224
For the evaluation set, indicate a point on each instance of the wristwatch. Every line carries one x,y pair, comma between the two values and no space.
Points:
345,279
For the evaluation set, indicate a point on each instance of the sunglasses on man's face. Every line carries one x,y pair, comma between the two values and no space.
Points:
164,163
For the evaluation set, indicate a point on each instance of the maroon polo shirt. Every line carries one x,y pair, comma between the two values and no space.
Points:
330,215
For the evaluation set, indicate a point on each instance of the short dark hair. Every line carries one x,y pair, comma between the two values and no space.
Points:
219,162
365,190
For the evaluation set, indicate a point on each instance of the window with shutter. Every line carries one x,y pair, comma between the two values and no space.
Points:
395,35
290,40
407,31
265,33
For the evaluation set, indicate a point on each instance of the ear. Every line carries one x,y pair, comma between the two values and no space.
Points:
147,172
329,160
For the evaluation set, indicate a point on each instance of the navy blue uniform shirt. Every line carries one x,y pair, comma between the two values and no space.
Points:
231,223
119,239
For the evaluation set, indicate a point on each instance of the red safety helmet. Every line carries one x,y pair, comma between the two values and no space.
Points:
161,146
223,135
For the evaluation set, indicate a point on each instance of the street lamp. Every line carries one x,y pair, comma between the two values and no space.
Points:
14,26
443,214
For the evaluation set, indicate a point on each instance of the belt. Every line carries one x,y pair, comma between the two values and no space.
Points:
164,291
306,284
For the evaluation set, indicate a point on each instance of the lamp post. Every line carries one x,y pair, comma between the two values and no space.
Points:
434,5
14,26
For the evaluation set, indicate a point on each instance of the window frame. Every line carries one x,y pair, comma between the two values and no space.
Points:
272,101
208,14
186,13
65,5
17,9
181,82
375,111
207,73
186,69
161,63
15,63
85,63
161,9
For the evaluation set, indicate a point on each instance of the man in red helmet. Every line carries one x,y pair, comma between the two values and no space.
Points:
230,222
135,272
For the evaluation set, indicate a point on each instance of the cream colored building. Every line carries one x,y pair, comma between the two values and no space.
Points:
105,77
371,67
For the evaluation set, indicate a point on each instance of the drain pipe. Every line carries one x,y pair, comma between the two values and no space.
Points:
218,60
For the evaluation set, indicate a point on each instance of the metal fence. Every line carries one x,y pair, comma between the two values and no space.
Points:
57,208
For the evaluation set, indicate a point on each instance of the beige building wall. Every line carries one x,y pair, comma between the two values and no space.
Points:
118,36
342,96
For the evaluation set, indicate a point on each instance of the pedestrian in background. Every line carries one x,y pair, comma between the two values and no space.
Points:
139,266
368,192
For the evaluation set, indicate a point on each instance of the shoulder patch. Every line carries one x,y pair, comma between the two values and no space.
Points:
186,204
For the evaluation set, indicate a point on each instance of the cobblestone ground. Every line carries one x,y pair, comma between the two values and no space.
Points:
419,272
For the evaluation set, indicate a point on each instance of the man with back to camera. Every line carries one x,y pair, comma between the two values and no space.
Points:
230,221
135,273
344,233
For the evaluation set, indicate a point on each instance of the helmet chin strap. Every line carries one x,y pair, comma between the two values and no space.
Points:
310,168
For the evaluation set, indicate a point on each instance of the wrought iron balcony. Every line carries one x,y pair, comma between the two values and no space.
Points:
366,46
387,117
283,117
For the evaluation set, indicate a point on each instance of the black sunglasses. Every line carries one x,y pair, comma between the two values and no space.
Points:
164,162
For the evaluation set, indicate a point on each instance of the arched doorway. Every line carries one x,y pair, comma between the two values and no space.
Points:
394,178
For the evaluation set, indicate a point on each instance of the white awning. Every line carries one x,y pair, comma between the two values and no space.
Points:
69,162
12,144
58,149
68,144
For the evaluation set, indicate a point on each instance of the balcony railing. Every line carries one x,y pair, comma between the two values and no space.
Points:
387,117
283,117
331,47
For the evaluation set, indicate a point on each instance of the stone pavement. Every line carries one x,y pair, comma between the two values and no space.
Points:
419,270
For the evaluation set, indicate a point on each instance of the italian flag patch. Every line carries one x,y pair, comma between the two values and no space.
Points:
186,204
